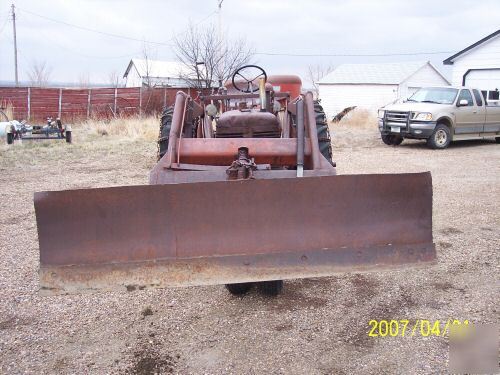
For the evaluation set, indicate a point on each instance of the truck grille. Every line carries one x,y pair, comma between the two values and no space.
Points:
396,116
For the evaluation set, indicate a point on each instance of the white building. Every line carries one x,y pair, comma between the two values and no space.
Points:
372,86
478,65
155,73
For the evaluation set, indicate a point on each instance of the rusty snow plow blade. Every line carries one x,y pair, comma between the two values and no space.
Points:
205,233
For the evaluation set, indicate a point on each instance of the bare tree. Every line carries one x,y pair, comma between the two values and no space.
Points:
39,74
316,72
209,58
84,80
114,79
146,56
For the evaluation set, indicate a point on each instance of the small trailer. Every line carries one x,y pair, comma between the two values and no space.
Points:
53,129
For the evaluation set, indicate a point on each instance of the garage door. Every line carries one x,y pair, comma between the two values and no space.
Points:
484,79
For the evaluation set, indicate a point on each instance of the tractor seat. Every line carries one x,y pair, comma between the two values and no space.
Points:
248,124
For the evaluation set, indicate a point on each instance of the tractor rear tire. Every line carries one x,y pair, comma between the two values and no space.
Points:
165,125
324,138
10,138
271,288
392,139
69,137
239,289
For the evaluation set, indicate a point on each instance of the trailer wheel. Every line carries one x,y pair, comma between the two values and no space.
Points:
392,139
324,138
271,288
69,138
165,125
239,289
440,138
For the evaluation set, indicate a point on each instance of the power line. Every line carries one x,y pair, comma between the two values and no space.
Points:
111,34
353,54
94,30
263,53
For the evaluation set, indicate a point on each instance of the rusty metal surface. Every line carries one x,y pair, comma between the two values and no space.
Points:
222,151
161,176
230,269
176,221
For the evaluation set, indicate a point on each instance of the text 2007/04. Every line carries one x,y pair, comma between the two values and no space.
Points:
419,327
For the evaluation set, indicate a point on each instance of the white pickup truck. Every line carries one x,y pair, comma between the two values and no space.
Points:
440,115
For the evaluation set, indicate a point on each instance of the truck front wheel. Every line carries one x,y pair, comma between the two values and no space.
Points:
392,139
440,137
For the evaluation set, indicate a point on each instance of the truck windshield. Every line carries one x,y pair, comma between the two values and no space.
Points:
439,95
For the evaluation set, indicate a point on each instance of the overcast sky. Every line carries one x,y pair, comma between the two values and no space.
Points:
297,27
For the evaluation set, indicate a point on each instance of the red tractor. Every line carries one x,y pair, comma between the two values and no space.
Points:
245,192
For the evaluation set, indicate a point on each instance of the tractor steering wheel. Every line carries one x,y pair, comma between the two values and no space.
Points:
248,85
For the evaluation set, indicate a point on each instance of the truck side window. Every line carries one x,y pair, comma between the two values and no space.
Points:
465,94
494,95
485,96
477,96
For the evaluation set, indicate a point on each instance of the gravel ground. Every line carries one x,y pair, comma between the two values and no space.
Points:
317,326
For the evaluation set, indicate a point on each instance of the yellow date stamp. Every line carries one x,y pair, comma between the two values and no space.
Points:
418,327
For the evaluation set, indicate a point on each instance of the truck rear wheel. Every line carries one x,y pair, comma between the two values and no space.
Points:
392,139
440,138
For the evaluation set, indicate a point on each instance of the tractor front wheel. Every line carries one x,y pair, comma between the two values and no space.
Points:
239,289
324,138
271,288
165,125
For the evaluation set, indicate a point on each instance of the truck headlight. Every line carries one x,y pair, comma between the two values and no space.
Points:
381,113
424,116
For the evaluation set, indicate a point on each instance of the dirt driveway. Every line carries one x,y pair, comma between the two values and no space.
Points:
317,326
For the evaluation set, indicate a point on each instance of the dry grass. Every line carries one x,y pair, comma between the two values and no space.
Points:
359,118
128,127
9,111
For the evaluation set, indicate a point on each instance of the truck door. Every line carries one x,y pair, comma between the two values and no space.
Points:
492,107
467,119
480,108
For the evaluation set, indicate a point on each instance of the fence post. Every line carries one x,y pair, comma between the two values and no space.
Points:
114,104
88,104
140,101
60,104
29,102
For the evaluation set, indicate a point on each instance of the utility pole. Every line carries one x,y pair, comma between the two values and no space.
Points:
15,42
221,41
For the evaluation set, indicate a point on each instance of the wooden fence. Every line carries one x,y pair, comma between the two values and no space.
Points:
36,104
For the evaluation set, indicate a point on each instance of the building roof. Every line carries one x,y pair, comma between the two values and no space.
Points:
381,74
450,60
157,68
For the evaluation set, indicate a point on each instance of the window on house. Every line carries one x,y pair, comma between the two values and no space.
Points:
478,97
465,94
493,95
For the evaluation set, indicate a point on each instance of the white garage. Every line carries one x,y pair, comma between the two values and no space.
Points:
478,65
372,86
